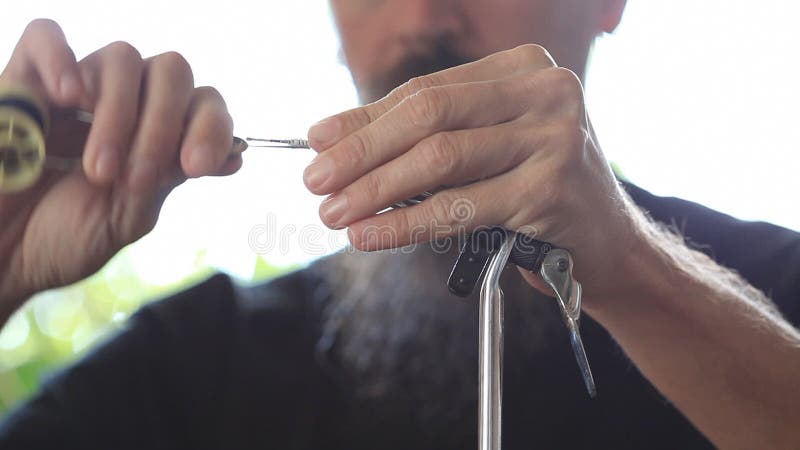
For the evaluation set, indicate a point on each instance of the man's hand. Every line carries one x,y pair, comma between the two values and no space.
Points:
151,129
507,135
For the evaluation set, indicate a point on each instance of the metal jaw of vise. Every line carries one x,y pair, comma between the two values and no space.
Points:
490,250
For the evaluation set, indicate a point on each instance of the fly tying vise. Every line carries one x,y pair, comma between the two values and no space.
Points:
489,250
24,124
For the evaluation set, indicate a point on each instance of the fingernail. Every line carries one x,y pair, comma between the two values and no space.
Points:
323,133
143,175
69,86
105,167
332,210
318,172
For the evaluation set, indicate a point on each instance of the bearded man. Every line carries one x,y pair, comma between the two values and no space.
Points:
369,350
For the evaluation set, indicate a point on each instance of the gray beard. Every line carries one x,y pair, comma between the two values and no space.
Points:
399,334
394,328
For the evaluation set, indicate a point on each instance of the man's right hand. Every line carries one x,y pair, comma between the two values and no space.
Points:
152,128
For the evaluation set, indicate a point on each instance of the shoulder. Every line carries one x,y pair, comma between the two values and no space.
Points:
223,305
766,255
219,298
218,324
188,369
242,356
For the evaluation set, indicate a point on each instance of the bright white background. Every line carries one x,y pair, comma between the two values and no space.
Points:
691,98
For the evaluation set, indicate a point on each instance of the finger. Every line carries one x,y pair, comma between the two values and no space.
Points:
327,132
206,149
232,165
114,76
444,159
451,107
535,280
446,214
44,61
167,91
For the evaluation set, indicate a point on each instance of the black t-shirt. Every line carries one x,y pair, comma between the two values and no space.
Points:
221,366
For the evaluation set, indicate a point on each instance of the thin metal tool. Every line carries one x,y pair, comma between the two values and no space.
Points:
24,125
277,143
14,151
490,342
557,272
303,143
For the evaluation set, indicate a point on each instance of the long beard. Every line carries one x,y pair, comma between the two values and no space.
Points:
393,326
399,334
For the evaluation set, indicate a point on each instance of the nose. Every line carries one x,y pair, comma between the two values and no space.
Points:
423,20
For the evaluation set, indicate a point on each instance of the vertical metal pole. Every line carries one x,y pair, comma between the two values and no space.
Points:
491,351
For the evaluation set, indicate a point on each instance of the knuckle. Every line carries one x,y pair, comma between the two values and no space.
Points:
42,25
528,54
360,117
355,152
400,225
568,143
524,89
417,84
440,208
372,188
209,92
442,154
355,119
428,108
124,51
565,82
574,138
211,97
174,64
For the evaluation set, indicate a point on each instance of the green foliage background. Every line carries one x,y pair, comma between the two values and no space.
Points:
56,327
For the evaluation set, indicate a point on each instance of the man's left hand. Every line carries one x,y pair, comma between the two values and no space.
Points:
505,139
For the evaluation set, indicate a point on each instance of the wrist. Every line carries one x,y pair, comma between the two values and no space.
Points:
656,272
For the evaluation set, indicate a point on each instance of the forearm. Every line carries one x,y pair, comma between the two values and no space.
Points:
712,344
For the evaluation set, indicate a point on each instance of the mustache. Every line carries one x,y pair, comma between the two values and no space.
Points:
439,56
